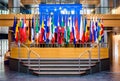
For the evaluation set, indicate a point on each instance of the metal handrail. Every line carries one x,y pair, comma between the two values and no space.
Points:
29,52
89,52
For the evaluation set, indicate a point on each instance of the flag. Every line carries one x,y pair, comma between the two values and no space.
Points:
14,26
91,31
62,29
16,33
76,29
65,30
21,25
29,30
42,32
47,30
95,29
23,32
102,32
81,30
68,31
71,33
37,30
58,32
52,30
86,30
98,31
45,27
32,31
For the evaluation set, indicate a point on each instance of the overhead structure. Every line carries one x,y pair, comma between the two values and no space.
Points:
109,20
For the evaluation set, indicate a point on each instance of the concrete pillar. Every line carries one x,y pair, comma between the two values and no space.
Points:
104,6
14,6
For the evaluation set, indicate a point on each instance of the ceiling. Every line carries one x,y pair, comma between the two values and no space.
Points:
90,2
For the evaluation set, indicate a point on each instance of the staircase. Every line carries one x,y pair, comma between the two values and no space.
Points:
55,66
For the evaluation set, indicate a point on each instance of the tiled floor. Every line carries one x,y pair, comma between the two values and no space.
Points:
7,75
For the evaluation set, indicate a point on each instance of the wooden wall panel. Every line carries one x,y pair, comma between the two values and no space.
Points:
59,52
7,19
28,2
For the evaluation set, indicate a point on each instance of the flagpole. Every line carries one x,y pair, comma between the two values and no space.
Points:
1,55
19,51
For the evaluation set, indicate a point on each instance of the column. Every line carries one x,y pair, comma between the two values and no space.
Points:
14,6
104,6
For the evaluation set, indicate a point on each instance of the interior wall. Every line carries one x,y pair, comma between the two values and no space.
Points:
116,55
116,47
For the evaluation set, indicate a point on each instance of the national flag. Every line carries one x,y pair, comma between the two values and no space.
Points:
81,30
65,30
62,29
29,30
42,32
52,30
102,32
91,30
95,29
21,25
98,31
45,27
37,30
71,33
68,31
32,31
23,32
59,39
16,33
76,29
47,30
86,30
14,26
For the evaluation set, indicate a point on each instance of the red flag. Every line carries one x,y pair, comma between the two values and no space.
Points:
76,29
24,31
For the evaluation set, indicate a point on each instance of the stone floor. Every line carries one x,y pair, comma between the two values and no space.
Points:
112,75
7,75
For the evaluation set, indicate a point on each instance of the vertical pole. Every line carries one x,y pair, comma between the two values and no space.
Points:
90,61
1,54
29,51
79,64
99,57
19,56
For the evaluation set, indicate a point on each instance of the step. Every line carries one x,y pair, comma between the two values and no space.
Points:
58,62
58,65
59,73
62,69
58,59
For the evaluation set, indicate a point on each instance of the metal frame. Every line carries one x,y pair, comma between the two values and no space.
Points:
29,53
89,52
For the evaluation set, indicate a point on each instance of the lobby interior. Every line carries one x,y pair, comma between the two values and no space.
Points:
108,10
